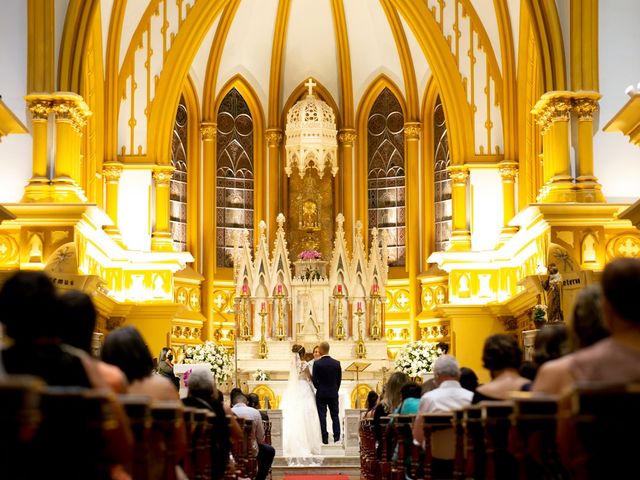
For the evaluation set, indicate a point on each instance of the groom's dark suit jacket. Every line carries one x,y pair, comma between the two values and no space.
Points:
327,375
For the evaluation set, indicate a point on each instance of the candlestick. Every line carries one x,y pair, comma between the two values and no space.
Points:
262,344
340,333
361,350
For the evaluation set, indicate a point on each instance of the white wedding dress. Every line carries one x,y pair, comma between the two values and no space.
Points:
301,437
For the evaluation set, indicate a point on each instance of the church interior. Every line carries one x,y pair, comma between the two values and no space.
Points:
254,174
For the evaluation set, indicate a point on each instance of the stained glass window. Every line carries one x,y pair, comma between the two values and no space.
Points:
234,175
441,179
386,182
178,186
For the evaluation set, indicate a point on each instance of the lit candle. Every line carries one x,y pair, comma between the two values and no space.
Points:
339,288
263,306
279,289
375,288
244,289
359,306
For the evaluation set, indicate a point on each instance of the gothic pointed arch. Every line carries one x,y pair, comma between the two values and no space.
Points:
239,169
370,96
381,118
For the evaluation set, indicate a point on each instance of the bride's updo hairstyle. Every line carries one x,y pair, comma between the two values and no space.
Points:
299,349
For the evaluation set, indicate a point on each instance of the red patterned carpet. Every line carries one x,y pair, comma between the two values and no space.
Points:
316,477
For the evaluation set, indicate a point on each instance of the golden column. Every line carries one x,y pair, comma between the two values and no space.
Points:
38,188
412,219
208,131
588,188
552,114
346,139
508,171
111,172
161,237
460,235
70,117
273,136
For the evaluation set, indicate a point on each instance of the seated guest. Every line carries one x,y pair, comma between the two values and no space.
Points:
78,321
125,348
254,402
30,312
389,401
502,357
261,450
448,396
370,404
468,379
615,359
587,324
165,367
410,393
202,395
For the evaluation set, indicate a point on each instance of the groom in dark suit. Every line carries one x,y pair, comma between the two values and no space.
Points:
327,375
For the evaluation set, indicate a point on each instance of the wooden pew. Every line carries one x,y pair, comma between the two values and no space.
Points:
19,421
368,461
597,431
403,459
475,455
73,439
533,437
496,423
434,423
188,465
138,410
385,448
459,460
167,435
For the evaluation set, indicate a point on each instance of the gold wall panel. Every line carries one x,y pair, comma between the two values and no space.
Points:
311,188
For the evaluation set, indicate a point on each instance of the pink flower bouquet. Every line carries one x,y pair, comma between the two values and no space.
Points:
310,255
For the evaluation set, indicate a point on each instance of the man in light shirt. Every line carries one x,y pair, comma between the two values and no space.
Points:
261,450
448,396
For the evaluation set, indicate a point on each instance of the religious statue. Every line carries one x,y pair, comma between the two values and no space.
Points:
553,293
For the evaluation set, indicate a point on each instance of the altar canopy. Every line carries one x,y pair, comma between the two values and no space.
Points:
340,300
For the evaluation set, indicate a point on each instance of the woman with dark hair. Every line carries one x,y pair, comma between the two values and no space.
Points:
165,367
411,393
78,321
468,379
125,348
502,357
30,312
370,404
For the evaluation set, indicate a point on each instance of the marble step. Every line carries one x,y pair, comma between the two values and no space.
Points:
331,465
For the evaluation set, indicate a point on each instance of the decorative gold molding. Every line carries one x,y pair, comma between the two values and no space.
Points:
112,172
552,107
40,109
459,174
274,137
208,130
347,136
584,108
412,130
508,171
162,175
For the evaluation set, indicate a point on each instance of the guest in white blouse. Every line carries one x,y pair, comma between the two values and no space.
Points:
448,395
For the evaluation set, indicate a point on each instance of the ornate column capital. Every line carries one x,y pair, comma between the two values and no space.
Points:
552,107
208,130
39,108
273,136
112,171
508,171
459,174
347,136
412,130
585,106
162,175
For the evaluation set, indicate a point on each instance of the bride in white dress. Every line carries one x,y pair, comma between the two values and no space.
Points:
301,437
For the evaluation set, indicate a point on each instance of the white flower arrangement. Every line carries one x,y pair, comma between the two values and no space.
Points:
261,376
540,313
215,355
417,358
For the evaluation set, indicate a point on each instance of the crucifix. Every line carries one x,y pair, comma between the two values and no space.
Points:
310,84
